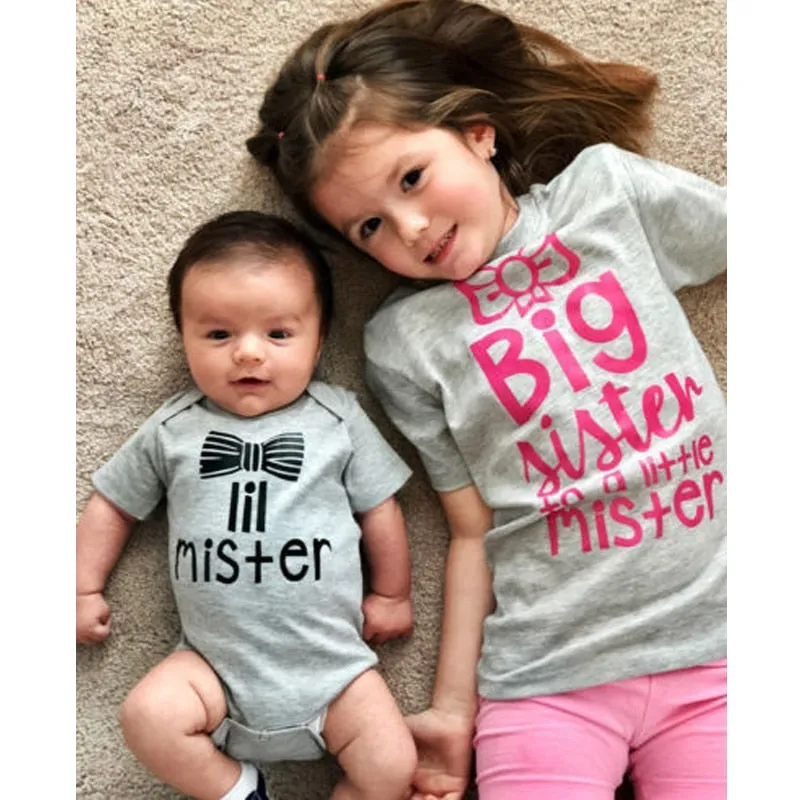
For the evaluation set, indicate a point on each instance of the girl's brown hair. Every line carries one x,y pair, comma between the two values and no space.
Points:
448,63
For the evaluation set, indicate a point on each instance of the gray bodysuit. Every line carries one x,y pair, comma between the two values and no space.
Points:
263,546
563,380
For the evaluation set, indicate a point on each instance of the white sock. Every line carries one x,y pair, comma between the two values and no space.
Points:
248,782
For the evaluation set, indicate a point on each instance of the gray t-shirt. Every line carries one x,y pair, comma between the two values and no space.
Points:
564,381
263,546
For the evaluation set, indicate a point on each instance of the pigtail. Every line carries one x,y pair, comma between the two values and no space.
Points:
264,146
295,118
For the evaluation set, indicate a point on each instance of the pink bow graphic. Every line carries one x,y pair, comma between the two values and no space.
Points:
519,280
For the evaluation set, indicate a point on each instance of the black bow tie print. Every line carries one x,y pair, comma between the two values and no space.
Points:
224,454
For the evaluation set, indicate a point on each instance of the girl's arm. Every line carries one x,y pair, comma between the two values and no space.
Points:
443,733
101,535
467,601
387,609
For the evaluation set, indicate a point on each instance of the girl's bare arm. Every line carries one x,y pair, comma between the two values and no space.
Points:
467,601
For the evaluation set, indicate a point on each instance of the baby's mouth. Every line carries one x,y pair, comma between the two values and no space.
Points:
440,246
249,381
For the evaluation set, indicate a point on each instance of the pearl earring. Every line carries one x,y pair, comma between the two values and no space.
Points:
493,152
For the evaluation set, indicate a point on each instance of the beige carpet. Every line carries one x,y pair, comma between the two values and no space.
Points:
167,93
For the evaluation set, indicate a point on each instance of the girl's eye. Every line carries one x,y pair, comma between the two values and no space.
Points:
218,335
278,333
369,227
411,179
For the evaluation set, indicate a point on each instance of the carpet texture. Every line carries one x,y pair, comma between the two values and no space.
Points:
168,91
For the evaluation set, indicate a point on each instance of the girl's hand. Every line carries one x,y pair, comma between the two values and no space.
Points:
444,746
92,618
386,617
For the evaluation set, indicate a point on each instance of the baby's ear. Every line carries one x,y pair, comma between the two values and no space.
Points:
320,350
480,139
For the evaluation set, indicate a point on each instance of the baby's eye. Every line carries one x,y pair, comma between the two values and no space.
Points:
278,333
369,227
411,179
218,335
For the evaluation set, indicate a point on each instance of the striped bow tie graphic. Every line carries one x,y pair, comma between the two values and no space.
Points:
224,454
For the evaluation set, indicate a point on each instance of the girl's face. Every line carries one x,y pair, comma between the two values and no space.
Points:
425,203
251,330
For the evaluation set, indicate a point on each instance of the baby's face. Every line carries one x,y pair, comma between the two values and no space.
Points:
251,330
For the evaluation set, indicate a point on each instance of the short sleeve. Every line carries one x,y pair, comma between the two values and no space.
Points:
684,218
420,417
374,472
134,478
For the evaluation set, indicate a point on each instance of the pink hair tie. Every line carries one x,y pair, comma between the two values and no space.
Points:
280,134
320,76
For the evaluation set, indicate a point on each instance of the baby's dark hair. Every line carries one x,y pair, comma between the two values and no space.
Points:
448,63
268,235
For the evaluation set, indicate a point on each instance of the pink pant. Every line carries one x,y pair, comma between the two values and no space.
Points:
669,729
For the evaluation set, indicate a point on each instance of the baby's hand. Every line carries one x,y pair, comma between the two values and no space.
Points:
92,618
386,617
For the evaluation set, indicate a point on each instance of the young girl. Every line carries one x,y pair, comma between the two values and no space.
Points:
271,480
563,409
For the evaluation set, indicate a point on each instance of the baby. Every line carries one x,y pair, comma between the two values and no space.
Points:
271,479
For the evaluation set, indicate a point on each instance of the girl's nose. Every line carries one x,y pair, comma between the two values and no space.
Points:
411,225
250,349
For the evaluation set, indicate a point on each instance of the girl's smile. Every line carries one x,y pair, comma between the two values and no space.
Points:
426,203
443,247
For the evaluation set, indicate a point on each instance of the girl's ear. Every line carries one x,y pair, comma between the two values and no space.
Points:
480,139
